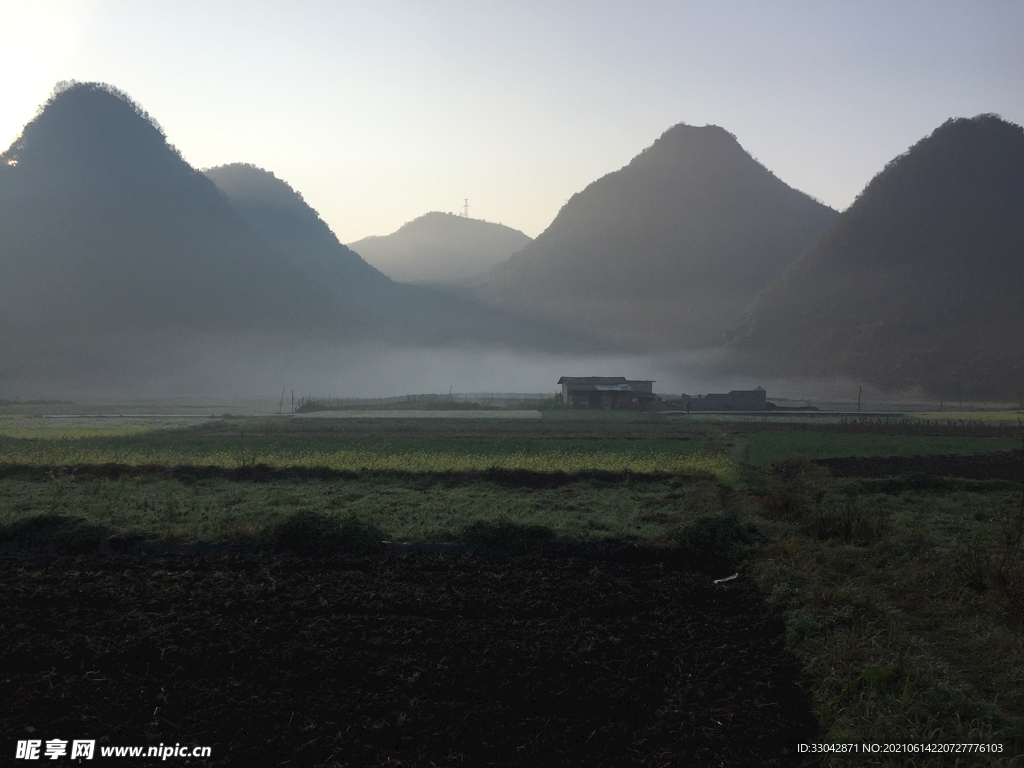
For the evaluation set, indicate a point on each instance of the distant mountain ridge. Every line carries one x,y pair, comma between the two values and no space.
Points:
920,283
101,218
665,253
282,218
118,260
379,308
439,247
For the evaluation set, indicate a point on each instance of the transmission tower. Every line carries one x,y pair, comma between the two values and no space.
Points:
465,208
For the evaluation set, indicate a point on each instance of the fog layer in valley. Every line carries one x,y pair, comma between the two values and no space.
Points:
126,272
233,370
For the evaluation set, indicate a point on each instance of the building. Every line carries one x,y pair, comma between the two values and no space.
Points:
607,393
736,400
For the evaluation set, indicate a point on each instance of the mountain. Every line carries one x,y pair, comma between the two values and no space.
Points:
439,247
118,260
920,283
665,253
386,310
283,219
104,226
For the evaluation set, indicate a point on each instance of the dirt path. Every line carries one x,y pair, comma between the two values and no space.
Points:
403,660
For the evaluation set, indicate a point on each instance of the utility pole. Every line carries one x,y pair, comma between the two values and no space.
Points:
465,208
859,388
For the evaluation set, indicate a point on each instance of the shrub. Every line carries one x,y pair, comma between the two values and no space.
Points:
847,521
61,532
793,486
505,538
313,533
714,538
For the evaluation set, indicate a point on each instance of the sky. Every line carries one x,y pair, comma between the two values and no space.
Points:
378,112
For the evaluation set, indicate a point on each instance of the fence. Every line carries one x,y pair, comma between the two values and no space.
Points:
427,401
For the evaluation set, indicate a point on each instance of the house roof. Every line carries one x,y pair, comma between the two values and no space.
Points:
605,381
607,384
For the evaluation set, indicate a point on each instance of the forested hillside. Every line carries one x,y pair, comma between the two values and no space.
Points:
921,281
438,246
665,253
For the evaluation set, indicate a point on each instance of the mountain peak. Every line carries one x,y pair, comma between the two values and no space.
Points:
682,134
254,185
437,246
84,122
93,139
665,252
985,124
691,145
961,145
918,282
280,215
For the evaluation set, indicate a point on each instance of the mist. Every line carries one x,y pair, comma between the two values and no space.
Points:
125,272
230,369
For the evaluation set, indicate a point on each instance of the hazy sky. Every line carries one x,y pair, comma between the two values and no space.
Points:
381,111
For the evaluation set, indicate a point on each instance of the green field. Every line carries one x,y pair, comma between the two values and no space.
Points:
903,596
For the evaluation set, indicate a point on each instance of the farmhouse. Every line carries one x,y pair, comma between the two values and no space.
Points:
607,392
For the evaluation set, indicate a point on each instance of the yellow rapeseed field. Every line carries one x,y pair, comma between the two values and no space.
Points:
67,433
70,452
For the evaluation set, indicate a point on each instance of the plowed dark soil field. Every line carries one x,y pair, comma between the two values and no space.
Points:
418,660
992,466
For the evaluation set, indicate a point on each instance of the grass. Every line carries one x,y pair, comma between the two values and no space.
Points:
906,638
898,596
402,507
